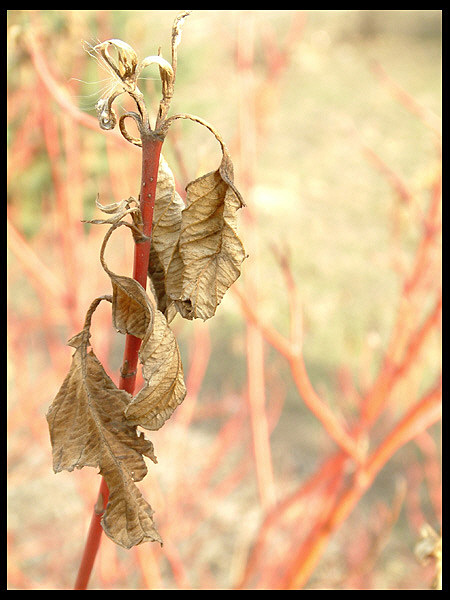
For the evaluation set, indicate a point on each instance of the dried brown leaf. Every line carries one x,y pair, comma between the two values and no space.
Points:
135,312
210,249
132,311
209,246
163,371
157,280
131,307
115,208
165,265
88,428
128,519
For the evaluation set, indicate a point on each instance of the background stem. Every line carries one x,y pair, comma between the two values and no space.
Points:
151,150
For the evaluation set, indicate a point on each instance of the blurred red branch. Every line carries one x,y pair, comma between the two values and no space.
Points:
276,515
291,350
258,417
391,373
418,419
432,471
43,278
397,183
424,414
428,117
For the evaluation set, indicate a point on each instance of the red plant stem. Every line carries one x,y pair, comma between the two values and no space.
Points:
93,539
151,150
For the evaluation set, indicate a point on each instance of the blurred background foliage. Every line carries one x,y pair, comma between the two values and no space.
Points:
297,98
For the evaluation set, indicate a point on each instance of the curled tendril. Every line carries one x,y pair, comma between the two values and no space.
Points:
124,132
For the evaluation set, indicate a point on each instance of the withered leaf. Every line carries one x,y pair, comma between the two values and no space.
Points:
135,312
209,246
88,428
132,312
115,208
131,308
128,519
165,264
210,249
157,280
163,372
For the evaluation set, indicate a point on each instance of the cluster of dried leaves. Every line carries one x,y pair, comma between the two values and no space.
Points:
195,257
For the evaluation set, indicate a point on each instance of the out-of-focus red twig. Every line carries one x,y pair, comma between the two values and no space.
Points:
44,279
256,396
424,414
400,187
428,117
361,556
432,471
391,373
271,520
292,352
149,567
195,374
431,226
258,416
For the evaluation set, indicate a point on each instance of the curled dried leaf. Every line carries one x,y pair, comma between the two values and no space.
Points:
121,62
176,36
132,311
163,372
119,210
165,264
128,519
116,208
123,130
176,28
165,67
106,116
124,64
135,312
429,547
209,246
159,355
131,307
88,428
167,80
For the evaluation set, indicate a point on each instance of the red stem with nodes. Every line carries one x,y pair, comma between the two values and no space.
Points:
126,70
151,150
